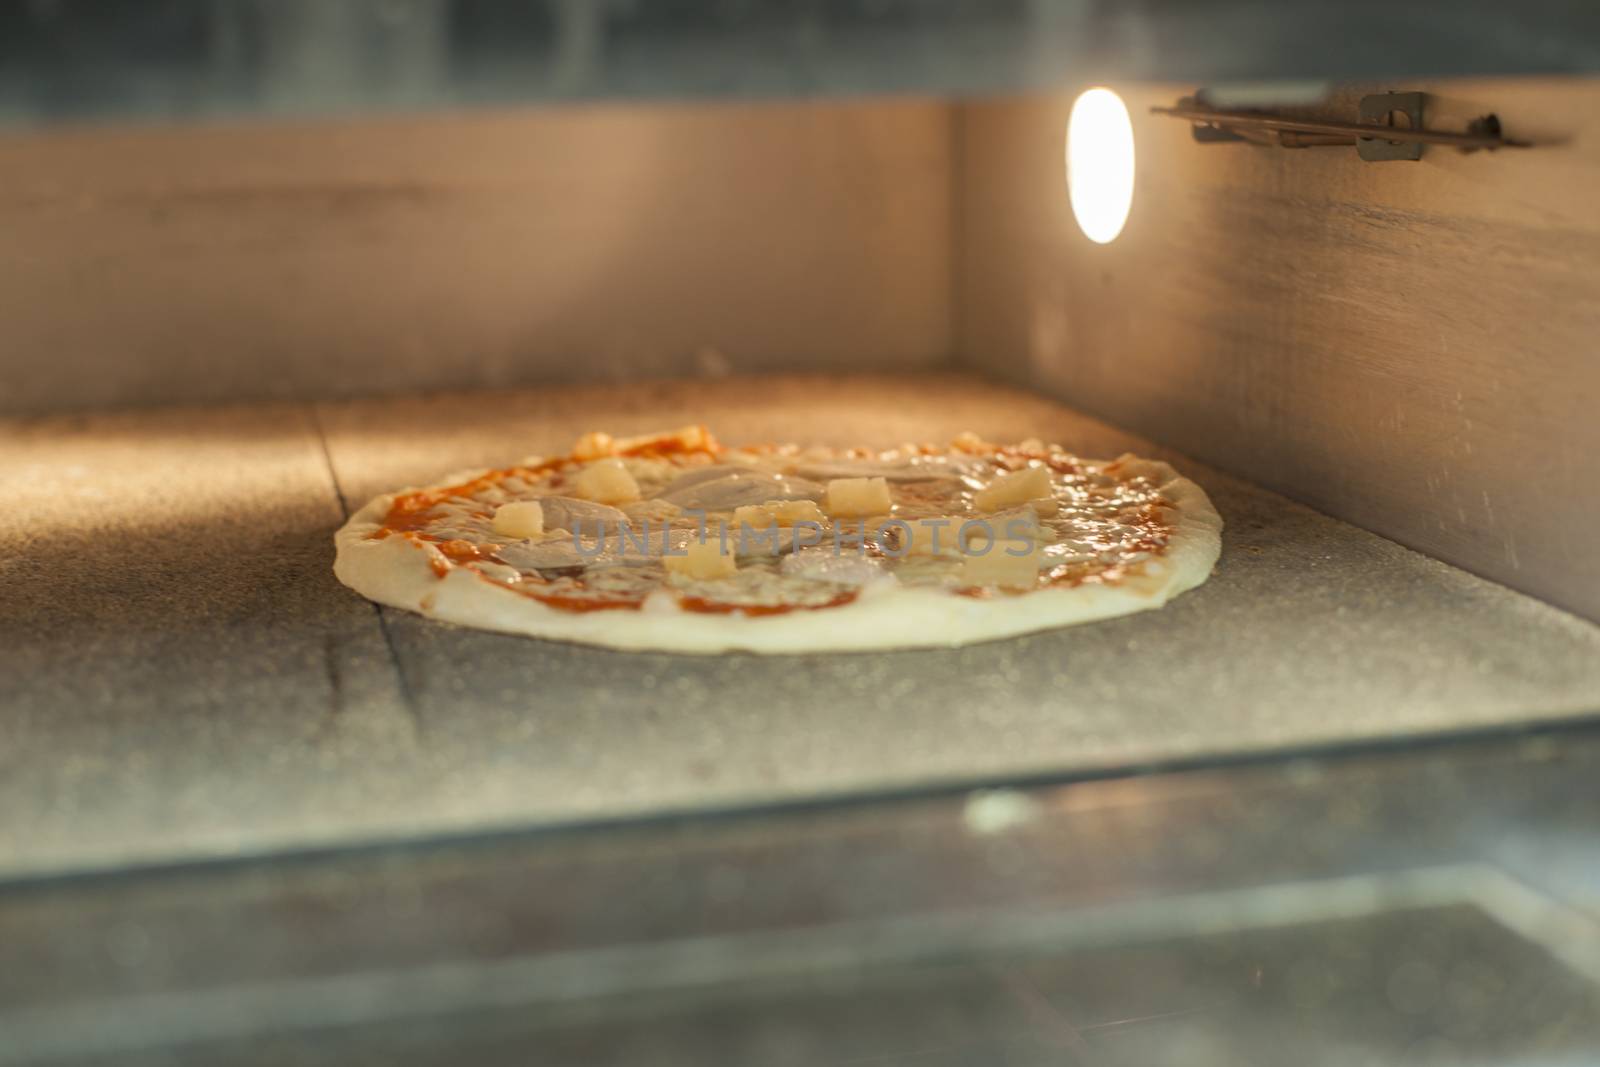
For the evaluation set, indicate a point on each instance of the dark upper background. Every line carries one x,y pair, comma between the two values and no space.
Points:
174,59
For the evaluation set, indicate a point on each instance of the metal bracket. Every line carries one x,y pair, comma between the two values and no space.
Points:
1202,132
1377,137
1380,110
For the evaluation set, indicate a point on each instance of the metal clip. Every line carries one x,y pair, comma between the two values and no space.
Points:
1380,110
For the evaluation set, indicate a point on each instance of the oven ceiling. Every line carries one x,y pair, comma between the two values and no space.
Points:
79,59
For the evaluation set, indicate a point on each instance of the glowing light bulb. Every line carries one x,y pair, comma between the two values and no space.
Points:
1100,164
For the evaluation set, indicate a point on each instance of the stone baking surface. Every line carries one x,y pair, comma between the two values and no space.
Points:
181,676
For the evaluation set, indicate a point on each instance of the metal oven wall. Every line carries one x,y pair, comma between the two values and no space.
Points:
1411,347
200,264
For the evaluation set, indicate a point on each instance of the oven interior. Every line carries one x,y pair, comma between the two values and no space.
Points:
1337,800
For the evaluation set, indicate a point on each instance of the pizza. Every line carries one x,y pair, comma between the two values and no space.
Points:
674,542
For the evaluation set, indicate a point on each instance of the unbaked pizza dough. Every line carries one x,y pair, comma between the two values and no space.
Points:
673,542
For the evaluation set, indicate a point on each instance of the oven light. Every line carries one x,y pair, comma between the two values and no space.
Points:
1100,164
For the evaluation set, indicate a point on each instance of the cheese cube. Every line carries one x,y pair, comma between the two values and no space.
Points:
778,513
857,497
594,445
1013,488
754,516
934,537
524,518
702,559
967,441
1014,564
606,482
794,512
685,438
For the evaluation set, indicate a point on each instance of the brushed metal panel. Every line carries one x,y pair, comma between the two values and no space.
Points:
211,264
1408,346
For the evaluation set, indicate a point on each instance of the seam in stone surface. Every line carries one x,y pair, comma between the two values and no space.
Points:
407,697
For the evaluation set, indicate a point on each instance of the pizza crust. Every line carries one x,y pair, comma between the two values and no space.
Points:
400,573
